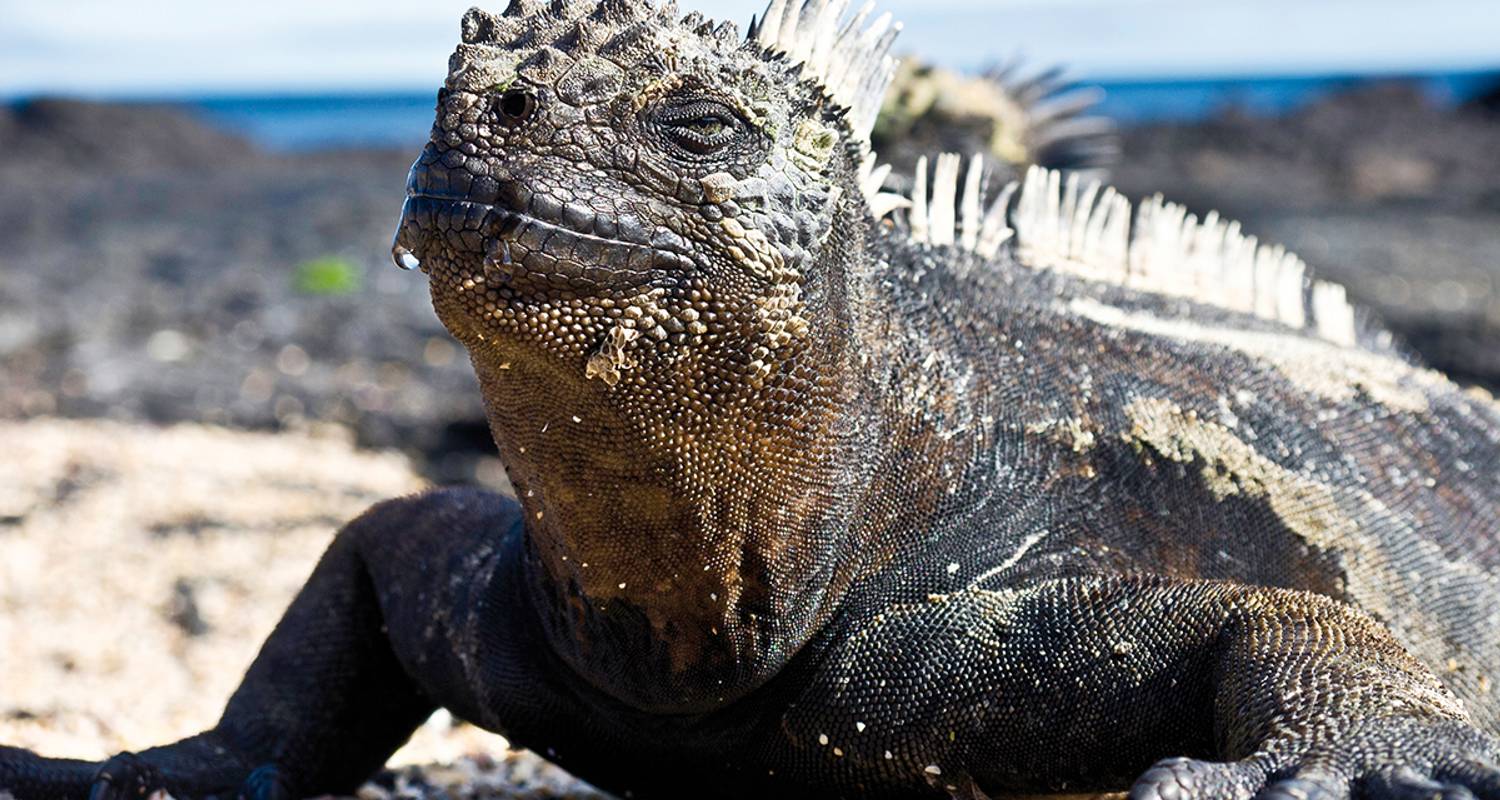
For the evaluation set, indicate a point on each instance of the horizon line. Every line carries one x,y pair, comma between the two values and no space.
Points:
231,91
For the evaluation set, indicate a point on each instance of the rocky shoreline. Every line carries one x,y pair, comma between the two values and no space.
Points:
186,276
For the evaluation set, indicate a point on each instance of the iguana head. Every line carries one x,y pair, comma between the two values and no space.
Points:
619,190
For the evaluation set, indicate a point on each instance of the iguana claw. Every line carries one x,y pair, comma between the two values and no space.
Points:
126,776
267,782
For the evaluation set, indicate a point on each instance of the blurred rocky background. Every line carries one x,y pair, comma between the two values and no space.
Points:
155,268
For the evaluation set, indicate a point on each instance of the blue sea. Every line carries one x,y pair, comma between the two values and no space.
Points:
312,122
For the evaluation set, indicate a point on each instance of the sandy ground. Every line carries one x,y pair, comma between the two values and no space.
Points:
143,566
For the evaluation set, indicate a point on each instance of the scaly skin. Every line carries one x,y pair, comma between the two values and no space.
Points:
807,509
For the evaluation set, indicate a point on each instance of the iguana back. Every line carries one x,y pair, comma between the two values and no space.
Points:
1168,397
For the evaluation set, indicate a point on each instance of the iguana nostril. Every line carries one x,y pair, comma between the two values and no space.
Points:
513,195
515,107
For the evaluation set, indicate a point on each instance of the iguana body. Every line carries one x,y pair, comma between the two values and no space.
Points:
825,493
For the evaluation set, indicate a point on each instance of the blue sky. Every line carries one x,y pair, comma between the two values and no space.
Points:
166,47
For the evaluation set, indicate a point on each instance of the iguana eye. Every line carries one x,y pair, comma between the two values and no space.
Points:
705,127
515,107
701,127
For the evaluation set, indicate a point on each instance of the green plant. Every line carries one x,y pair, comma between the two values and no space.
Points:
329,275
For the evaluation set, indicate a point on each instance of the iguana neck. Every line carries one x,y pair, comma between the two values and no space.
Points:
692,557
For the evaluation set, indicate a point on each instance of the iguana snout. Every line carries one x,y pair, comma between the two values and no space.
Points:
531,242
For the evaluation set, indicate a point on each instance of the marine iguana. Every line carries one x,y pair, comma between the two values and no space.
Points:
828,493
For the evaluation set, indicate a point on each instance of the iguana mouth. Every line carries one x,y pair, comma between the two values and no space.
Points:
539,245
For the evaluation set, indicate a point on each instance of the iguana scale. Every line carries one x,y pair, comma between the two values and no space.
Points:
825,492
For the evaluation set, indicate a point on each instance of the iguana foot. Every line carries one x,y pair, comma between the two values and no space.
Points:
130,776
1382,759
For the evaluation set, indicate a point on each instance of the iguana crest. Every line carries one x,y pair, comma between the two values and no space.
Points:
1060,222
850,59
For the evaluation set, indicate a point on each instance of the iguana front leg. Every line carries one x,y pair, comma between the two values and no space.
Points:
1083,684
1315,700
330,695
